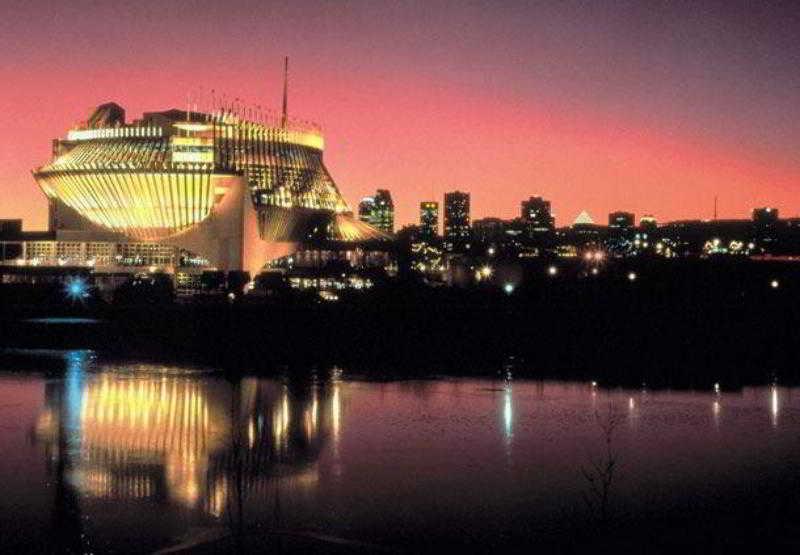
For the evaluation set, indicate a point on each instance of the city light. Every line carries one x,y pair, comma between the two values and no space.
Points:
508,288
774,284
552,270
632,276
76,288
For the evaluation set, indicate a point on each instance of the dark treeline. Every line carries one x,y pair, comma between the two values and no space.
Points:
682,323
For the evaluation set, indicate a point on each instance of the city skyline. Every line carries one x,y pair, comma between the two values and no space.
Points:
675,120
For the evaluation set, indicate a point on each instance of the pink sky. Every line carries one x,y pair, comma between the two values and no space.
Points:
652,110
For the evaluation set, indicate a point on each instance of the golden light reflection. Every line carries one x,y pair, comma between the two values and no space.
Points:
172,438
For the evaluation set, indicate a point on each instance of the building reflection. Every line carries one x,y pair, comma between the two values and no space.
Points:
187,441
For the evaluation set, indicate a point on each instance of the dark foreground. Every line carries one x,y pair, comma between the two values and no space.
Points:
683,324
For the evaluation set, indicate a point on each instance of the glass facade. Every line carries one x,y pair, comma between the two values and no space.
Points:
378,211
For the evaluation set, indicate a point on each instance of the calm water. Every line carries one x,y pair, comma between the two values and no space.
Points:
135,458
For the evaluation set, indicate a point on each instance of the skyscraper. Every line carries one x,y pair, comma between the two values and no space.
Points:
365,209
456,220
383,214
378,211
536,216
429,219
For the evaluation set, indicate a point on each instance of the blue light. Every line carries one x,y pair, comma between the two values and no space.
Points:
76,289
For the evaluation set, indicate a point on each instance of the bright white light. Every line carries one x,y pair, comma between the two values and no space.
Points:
508,288
774,284
486,271
552,270
774,406
595,271
716,387
631,276
508,413
490,251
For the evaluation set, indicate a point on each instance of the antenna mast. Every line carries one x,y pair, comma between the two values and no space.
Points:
285,113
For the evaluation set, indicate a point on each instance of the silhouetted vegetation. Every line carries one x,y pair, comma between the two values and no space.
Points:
677,323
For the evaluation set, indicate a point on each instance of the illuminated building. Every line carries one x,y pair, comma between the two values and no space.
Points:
536,216
229,187
365,209
429,219
648,222
583,219
378,211
456,220
621,220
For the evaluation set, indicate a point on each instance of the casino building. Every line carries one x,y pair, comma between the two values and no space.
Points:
229,188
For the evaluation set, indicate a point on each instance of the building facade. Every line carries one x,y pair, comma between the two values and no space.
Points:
456,220
621,220
536,216
429,219
229,188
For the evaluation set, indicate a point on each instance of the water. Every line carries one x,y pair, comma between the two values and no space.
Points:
106,457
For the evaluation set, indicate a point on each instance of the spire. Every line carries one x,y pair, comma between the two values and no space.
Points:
285,113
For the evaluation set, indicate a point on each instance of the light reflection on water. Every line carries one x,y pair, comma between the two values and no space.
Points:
137,457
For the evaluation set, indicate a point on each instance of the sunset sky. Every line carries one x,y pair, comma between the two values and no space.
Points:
644,106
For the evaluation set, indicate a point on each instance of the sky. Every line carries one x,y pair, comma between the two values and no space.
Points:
651,107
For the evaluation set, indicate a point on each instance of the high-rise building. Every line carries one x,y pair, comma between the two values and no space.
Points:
536,216
383,215
365,209
378,211
621,220
429,219
456,220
